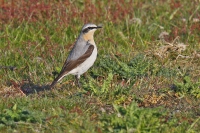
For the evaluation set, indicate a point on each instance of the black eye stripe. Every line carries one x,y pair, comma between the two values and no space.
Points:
91,27
88,28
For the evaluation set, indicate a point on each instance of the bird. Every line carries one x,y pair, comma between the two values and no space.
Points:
81,57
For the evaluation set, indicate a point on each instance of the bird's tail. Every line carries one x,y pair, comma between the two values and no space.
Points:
53,84
56,80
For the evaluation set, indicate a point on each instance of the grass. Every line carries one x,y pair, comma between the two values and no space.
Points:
145,79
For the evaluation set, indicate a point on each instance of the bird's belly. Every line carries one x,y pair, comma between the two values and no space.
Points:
82,68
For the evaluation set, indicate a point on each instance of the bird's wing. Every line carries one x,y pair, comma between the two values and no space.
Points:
71,64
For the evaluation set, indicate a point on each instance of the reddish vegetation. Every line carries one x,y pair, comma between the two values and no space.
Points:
66,12
34,10
174,4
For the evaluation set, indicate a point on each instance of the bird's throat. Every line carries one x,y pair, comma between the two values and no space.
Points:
88,36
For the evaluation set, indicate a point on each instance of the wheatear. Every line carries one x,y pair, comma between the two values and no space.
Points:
82,55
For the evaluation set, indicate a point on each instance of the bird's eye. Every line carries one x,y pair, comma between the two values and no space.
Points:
86,30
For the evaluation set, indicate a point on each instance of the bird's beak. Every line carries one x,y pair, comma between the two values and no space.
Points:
98,27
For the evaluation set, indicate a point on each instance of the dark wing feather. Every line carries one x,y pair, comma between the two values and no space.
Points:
70,65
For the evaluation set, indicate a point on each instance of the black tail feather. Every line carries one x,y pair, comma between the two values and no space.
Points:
53,84
56,80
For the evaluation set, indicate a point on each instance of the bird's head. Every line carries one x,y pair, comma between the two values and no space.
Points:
88,31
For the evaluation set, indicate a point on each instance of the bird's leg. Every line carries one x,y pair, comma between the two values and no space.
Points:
77,80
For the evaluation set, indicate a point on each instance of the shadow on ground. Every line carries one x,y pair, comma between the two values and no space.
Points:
30,88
